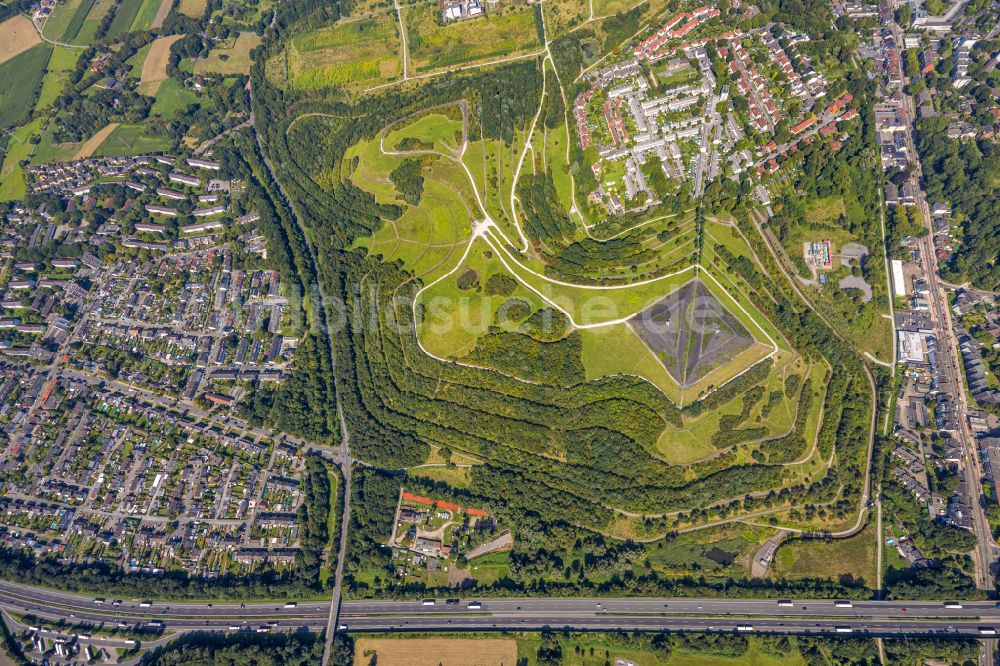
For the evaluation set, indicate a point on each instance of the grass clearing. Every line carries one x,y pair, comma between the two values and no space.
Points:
171,95
435,651
12,182
154,67
825,210
20,77
818,558
434,128
457,477
354,52
17,35
232,60
131,140
432,46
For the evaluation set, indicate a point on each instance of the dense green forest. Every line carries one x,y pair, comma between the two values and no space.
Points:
964,175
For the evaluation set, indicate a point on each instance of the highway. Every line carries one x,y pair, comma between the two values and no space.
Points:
876,618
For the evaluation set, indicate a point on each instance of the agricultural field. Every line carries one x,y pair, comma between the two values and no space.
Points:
20,77
434,651
232,58
130,140
17,35
356,53
154,66
510,32
193,8
133,15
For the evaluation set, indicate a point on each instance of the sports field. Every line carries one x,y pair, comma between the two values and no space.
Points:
433,46
17,35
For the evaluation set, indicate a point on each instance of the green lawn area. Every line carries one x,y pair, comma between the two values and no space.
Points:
444,133
135,62
62,62
131,140
434,46
19,78
12,184
454,318
809,558
354,52
171,96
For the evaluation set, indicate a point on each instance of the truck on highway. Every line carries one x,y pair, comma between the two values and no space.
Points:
952,604
744,627
475,605
156,624
291,604
987,631
844,630
428,602
843,604
785,603
145,604
99,600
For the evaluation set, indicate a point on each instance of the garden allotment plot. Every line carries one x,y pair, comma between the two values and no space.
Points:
691,333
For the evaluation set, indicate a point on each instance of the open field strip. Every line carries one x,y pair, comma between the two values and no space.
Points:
17,35
154,67
93,143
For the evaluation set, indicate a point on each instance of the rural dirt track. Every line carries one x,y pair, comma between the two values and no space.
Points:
17,35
